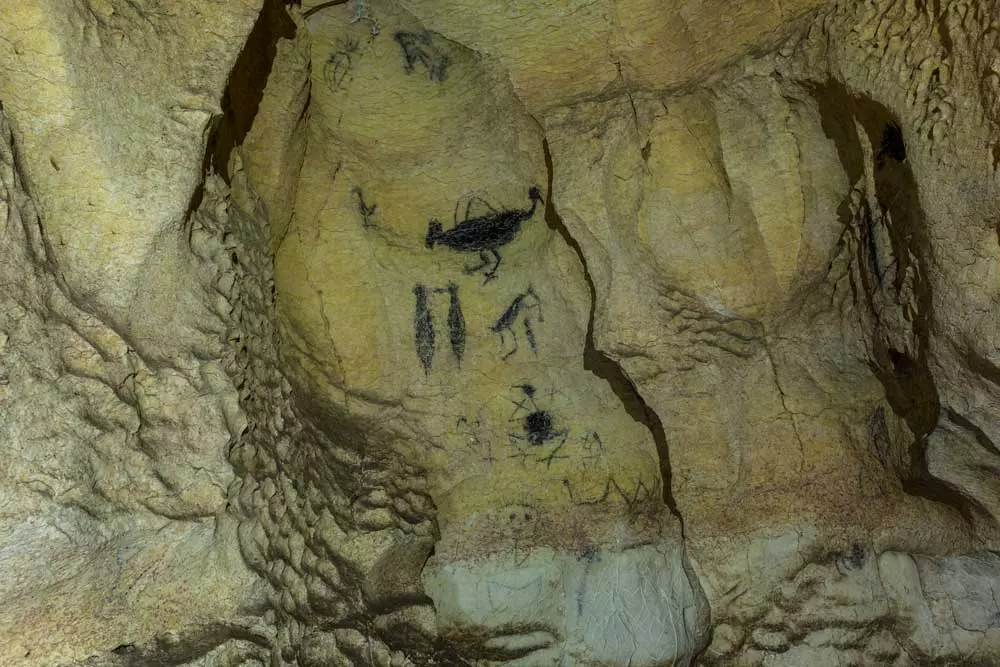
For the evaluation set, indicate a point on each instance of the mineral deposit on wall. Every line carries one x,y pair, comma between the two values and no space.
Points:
527,333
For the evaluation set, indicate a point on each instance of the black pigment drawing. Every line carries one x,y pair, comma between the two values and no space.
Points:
484,234
638,500
423,328
521,308
423,324
634,499
456,323
537,428
367,212
338,64
419,48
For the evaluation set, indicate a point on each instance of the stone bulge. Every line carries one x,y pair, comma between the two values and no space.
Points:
377,333
425,265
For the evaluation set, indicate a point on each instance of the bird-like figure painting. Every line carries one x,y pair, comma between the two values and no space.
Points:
484,234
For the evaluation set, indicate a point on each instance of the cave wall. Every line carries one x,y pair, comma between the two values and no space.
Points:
439,332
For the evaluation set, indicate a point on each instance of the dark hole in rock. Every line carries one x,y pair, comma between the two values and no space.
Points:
892,142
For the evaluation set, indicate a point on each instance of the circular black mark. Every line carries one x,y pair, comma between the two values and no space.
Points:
538,427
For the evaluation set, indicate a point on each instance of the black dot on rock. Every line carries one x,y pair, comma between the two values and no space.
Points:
538,426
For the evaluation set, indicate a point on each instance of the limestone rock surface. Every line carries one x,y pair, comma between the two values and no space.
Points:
533,333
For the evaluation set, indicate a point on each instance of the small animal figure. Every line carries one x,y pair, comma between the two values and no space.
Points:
482,234
367,212
519,308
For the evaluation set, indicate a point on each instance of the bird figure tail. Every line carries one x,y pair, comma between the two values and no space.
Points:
434,231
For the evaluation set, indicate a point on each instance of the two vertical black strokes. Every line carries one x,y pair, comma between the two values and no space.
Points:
423,324
419,47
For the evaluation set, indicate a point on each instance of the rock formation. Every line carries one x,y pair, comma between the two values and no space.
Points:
538,333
